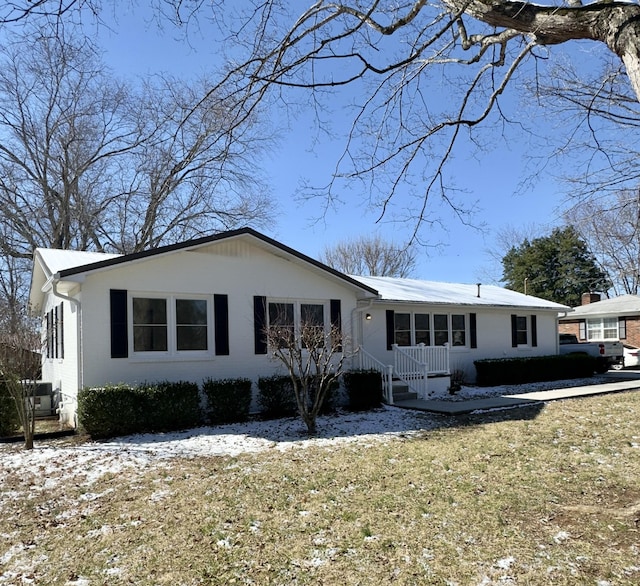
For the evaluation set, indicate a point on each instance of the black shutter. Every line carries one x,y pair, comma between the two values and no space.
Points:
534,330
473,332
514,331
61,332
391,328
119,337
221,324
259,324
335,309
622,328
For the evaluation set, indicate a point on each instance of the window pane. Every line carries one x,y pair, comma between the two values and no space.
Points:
150,338
402,329
191,311
423,334
312,325
281,324
312,314
149,325
149,311
191,324
610,328
458,330
440,329
521,331
191,337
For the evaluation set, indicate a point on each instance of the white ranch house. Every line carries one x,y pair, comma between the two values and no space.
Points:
199,309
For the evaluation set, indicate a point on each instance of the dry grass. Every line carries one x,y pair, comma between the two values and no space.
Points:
505,498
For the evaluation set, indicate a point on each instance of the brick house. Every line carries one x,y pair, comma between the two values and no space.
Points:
609,319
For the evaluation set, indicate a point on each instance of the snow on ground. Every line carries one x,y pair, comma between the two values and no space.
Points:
89,461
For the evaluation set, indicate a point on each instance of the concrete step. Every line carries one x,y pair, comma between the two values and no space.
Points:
404,396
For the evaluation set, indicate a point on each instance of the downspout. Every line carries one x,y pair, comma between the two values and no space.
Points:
72,300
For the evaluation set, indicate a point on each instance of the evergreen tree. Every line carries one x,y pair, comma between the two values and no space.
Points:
558,267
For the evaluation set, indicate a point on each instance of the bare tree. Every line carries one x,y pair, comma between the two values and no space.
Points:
20,346
426,77
611,226
313,358
370,255
91,163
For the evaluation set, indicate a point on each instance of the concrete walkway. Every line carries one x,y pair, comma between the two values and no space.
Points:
619,381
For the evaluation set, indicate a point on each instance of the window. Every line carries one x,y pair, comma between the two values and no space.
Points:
440,329
402,330
605,328
191,324
150,325
307,320
312,324
281,322
54,323
423,332
411,329
458,330
521,330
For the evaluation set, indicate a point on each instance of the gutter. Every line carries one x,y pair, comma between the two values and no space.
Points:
55,280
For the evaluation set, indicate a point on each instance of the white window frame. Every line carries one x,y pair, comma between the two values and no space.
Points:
172,334
432,332
297,312
597,328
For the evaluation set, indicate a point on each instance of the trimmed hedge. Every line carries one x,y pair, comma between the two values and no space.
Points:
509,371
9,419
228,400
276,397
124,409
364,389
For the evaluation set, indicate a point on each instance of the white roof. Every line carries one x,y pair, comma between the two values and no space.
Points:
622,305
413,290
55,260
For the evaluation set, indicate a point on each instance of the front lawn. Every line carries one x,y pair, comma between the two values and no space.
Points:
524,496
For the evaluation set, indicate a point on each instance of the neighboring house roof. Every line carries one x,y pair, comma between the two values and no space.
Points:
413,290
622,305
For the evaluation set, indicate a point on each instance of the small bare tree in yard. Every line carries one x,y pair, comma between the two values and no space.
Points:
313,358
20,369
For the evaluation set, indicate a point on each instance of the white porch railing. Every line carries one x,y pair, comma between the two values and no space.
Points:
410,371
368,362
437,357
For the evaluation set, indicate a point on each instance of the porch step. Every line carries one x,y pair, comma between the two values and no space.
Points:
406,396
401,391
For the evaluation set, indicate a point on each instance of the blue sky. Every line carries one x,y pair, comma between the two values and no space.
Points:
136,46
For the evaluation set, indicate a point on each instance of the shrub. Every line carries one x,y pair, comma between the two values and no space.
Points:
124,409
364,389
228,400
9,420
505,371
111,410
276,397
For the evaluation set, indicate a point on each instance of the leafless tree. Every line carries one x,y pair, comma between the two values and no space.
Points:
91,163
611,226
20,346
403,60
370,255
314,360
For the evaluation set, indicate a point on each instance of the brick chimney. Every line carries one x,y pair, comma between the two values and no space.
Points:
590,298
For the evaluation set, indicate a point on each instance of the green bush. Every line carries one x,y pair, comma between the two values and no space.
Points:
228,400
276,397
364,389
509,371
116,410
9,420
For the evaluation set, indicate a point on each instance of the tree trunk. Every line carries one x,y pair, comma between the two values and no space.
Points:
616,24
